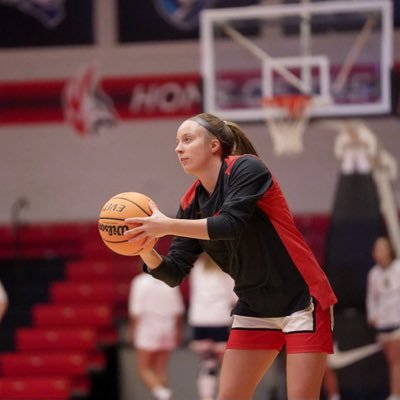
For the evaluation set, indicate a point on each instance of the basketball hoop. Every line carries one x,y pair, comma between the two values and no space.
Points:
287,117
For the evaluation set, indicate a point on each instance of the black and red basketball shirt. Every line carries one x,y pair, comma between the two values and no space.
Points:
253,238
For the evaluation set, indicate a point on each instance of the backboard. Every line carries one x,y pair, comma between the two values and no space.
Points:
338,52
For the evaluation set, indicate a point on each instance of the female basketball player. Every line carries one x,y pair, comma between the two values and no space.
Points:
383,305
236,212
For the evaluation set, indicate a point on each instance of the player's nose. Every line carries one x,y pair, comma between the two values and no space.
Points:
178,148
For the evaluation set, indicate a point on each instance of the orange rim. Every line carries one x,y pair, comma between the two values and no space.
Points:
295,104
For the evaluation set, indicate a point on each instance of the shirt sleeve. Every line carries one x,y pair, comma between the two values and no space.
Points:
248,182
179,261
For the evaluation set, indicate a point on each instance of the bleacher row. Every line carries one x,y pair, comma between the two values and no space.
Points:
63,344
67,294
64,310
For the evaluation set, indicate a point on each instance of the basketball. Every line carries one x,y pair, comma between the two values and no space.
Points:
112,223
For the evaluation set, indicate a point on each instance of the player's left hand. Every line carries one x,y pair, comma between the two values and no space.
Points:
154,226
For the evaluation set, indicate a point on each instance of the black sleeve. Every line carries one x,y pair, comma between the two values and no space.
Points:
248,182
179,261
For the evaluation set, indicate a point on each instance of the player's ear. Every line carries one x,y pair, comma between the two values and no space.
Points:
215,146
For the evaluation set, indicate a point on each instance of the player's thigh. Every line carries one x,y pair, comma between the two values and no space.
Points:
161,359
241,371
144,358
304,373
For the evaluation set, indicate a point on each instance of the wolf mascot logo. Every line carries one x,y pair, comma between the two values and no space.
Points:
182,14
86,107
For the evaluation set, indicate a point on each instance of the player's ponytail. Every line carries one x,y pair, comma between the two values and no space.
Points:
243,144
233,140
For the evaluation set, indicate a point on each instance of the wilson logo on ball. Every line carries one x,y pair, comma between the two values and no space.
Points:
112,225
113,230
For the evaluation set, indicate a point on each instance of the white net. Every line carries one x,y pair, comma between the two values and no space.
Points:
287,118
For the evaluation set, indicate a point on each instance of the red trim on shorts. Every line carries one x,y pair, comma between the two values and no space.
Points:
321,340
318,341
255,339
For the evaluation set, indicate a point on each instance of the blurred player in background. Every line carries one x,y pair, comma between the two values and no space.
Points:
383,307
156,324
211,301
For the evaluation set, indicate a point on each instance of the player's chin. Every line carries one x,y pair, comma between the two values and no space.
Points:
190,169
186,168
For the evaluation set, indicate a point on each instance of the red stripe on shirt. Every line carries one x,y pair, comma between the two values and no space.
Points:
275,207
189,196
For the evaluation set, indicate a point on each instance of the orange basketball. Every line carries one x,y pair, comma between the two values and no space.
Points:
112,223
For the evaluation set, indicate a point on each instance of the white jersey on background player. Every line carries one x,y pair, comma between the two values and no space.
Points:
156,305
211,295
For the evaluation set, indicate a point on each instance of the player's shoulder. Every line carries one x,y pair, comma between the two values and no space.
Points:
244,162
375,272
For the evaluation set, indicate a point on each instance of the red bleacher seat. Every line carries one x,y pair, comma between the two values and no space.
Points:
56,339
42,363
83,293
93,247
77,315
97,361
35,388
75,365
95,270
64,339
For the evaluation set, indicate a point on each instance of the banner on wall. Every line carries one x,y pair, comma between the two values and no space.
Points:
158,20
34,23
85,97
123,98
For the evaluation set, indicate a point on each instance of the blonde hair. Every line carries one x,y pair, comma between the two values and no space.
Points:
233,140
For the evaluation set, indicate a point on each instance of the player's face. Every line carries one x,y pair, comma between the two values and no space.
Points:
382,252
194,147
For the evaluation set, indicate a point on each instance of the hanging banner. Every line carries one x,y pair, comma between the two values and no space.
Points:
82,96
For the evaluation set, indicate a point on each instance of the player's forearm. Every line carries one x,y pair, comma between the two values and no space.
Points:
195,229
190,228
152,259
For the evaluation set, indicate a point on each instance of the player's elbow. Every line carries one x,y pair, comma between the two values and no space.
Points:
173,282
226,228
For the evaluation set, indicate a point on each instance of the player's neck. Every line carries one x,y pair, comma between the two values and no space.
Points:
209,177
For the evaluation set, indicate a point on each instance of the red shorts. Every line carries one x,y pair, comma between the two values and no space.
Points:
305,331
